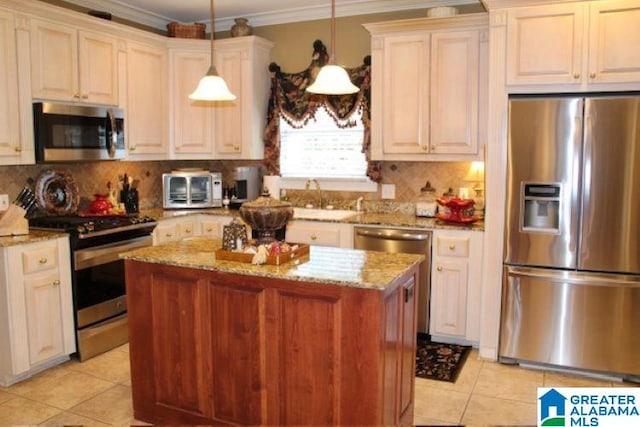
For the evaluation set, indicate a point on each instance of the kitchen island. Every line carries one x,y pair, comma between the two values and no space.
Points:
325,339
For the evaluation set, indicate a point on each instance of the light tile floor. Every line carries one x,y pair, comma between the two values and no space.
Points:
98,393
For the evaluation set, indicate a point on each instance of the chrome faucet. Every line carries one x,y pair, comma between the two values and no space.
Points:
318,191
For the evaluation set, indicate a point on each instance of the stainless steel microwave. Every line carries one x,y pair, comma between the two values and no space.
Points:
69,132
189,189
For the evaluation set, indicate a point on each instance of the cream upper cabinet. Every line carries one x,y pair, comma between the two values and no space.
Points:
146,108
243,62
224,129
574,44
426,87
191,122
73,65
10,145
39,330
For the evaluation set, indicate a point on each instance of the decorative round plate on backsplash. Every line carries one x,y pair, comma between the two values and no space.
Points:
57,192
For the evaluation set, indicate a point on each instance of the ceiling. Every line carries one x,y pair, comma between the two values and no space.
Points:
158,13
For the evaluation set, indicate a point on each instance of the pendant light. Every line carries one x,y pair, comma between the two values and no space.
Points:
212,87
332,78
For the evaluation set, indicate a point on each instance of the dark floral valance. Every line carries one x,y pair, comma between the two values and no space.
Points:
290,101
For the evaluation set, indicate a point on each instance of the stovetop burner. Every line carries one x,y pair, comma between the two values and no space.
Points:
86,226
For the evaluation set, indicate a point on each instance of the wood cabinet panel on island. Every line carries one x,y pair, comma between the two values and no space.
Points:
218,345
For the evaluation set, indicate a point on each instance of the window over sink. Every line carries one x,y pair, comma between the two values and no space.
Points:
322,150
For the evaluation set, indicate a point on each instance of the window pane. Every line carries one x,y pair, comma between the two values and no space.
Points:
322,150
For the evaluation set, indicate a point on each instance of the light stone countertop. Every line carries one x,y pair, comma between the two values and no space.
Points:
343,267
32,237
362,218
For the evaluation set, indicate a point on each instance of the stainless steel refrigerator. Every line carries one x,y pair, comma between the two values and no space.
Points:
571,283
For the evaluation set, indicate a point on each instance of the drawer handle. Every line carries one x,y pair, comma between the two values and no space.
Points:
132,148
439,268
42,261
209,229
452,247
592,75
85,96
169,235
576,76
17,149
313,237
56,282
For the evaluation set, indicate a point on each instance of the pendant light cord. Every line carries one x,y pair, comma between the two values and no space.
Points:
332,58
212,32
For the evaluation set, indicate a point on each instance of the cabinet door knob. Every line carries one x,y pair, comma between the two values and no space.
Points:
132,148
56,282
209,229
42,261
169,235
592,75
576,76
313,237
452,247
85,96
17,149
188,230
424,148
76,95
439,268
236,147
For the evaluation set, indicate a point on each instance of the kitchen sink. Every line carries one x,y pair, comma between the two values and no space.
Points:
326,214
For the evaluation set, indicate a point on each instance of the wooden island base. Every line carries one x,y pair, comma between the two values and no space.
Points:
213,347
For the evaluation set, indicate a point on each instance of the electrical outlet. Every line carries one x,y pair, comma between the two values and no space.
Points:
4,202
388,191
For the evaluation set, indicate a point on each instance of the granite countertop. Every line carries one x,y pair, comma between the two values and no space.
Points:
364,218
343,267
32,237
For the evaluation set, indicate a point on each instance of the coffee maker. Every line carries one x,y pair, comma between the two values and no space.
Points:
248,184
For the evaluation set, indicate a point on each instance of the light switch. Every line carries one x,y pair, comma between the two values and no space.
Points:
388,191
4,202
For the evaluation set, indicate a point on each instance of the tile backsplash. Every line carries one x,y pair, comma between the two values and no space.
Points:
92,177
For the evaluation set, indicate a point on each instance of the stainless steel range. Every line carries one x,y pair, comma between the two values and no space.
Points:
99,294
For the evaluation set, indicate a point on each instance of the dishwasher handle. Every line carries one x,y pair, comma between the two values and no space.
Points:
392,234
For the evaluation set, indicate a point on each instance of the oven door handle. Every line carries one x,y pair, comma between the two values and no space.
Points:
104,254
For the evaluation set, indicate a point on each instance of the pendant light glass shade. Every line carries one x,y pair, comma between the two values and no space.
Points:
332,78
212,87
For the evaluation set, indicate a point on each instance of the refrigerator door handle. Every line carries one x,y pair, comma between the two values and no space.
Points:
581,278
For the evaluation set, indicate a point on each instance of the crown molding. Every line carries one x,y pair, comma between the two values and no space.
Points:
350,8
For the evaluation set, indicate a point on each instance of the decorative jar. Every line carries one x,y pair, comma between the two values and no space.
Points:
241,28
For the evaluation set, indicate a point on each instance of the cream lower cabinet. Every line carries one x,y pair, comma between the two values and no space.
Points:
320,233
578,44
37,329
428,76
73,65
170,230
456,277
146,109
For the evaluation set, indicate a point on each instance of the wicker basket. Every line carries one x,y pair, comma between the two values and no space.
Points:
186,31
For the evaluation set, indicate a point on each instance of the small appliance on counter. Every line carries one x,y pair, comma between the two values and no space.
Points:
191,188
248,185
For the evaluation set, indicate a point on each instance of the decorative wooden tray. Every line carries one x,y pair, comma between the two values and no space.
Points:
299,252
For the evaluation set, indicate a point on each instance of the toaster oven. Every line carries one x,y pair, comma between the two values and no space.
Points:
186,189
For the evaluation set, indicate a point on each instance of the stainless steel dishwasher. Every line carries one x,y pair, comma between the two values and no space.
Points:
407,240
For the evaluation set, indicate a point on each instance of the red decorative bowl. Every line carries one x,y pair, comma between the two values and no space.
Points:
100,205
455,205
